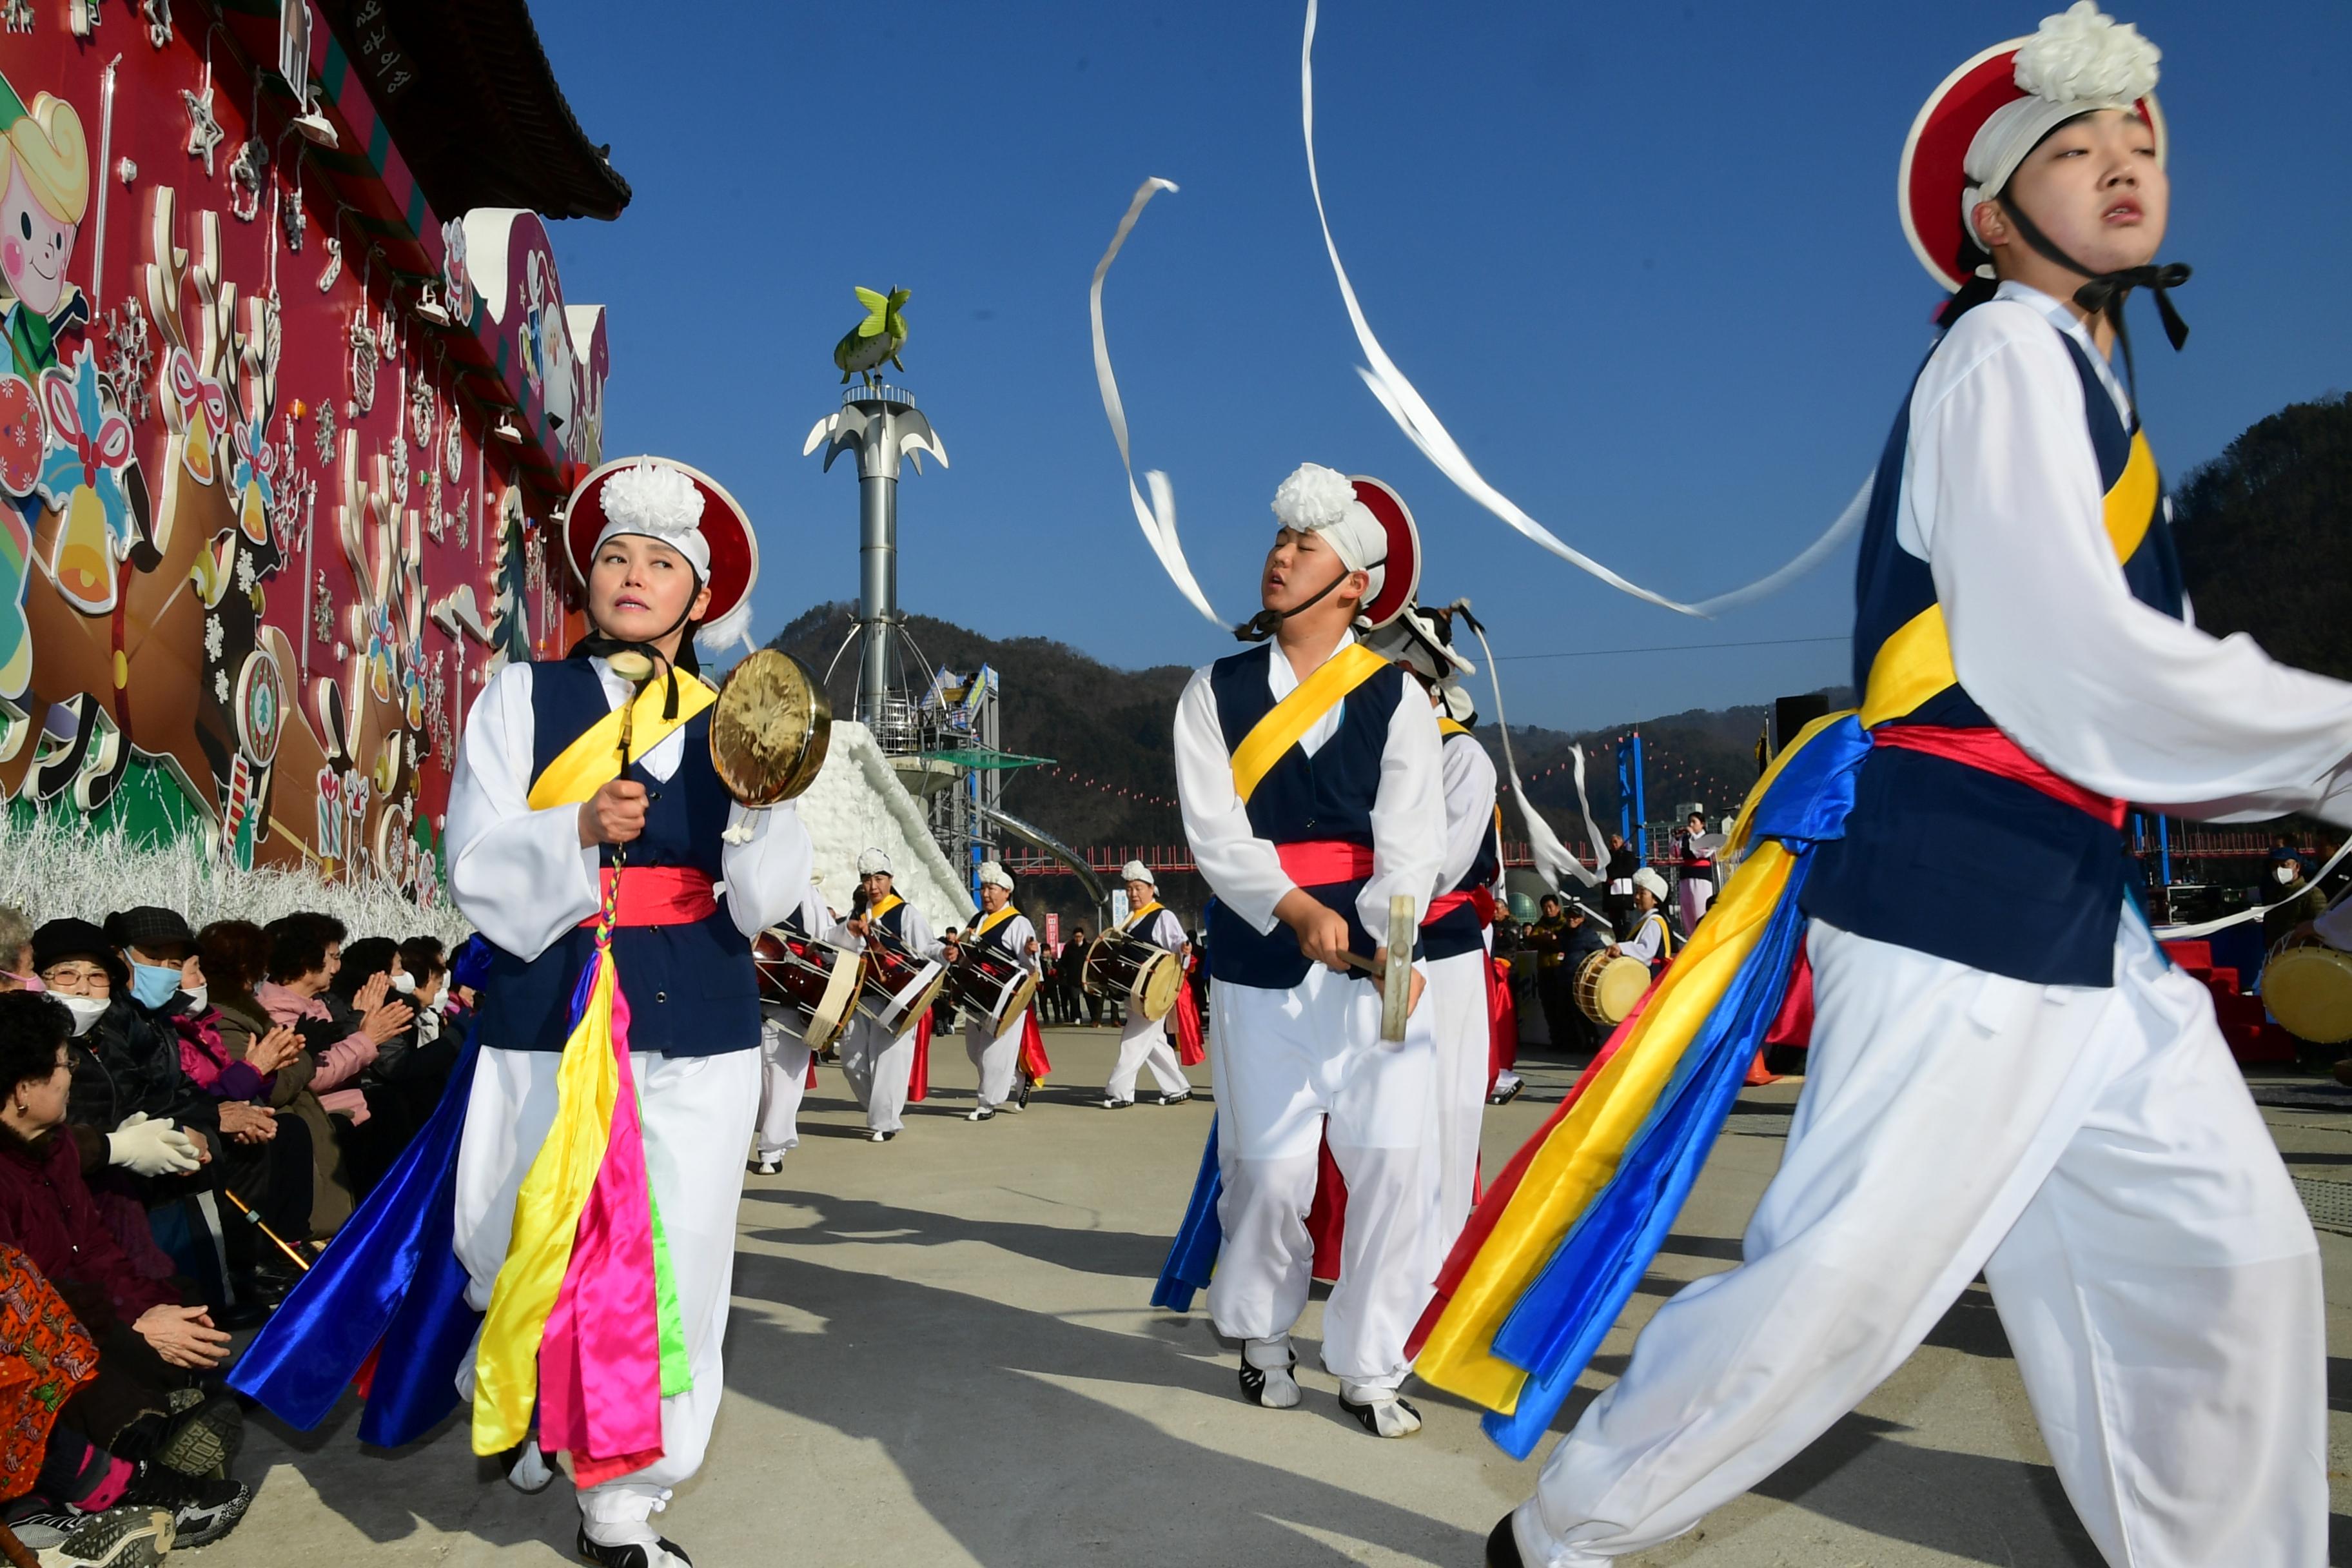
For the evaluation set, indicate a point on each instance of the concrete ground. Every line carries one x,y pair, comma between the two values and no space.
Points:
941,1354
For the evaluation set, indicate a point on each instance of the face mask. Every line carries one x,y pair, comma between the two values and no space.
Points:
2285,874
151,985
29,981
199,998
86,1011
405,984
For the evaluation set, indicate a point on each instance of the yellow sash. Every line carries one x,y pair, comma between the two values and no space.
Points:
987,923
1449,725
593,761
1915,662
883,906
1136,917
1271,737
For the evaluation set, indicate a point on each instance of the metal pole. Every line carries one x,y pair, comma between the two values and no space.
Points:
877,586
1624,799
1641,805
2164,852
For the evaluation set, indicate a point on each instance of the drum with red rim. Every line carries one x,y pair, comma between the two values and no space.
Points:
812,983
1142,974
898,986
991,984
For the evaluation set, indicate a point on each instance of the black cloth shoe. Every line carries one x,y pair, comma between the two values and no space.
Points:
1021,1095
1175,1098
202,1510
203,1441
1503,1547
630,1556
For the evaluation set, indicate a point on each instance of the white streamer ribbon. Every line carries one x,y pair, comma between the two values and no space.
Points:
1158,518
1554,863
2207,928
1425,430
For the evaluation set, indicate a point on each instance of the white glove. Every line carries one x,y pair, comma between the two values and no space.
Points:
150,1148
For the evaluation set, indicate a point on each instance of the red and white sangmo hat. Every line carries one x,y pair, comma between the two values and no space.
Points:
1401,572
683,507
1978,126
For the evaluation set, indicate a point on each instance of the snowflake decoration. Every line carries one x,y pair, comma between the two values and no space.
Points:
220,687
17,14
214,636
247,173
399,469
322,611
203,131
422,408
323,436
130,358
158,14
367,357
247,576
415,752
465,524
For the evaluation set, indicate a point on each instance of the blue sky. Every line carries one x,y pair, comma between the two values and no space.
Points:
1643,259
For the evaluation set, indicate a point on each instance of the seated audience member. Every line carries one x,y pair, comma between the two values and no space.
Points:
236,956
140,1111
17,970
143,1428
305,952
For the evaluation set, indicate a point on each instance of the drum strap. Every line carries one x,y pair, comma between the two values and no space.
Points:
660,896
593,761
1287,721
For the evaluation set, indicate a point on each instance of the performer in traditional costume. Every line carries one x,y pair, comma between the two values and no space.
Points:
1145,1041
1694,879
880,1066
580,1182
1457,932
1005,1052
784,1054
1309,773
1653,940
2006,1075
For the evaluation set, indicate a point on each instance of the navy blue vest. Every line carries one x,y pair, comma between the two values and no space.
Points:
996,935
1460,931
691,988
1945,858
1329,795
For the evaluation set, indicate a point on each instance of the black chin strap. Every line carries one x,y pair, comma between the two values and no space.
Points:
2104,293
1266,623
596,644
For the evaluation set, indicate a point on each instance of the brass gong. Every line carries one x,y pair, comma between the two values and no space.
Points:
769,729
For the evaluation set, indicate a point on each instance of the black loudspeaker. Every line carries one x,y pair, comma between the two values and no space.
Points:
1791,714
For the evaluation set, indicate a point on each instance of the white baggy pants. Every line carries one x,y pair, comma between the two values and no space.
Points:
1293,1068
1144,1043
1457,1004
879,1068
697,1113
996,1058
783,1079
2096,1153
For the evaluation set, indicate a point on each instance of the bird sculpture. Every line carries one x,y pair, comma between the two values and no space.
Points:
878,337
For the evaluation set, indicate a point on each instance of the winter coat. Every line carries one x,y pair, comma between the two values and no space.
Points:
47,1213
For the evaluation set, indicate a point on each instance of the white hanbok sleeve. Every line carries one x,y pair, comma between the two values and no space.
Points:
1018,934
1168,931
768,875
1467,775
1412,800
1644,943
521,875
1242,869
920,940
2046,635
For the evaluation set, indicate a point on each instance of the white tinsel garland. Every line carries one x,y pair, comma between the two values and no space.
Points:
59,868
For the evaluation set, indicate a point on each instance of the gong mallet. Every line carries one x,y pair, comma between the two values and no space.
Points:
1396,975
247,1209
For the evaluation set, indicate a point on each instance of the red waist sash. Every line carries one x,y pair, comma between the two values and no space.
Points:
660,896
1480,899
1991,752
1317,862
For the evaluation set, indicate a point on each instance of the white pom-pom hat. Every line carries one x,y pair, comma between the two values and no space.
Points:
874,863
1137,871
1368,526
684,508
1979,125
993,874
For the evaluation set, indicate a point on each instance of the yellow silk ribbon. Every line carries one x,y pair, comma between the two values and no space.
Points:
593,761
1287,721
990,922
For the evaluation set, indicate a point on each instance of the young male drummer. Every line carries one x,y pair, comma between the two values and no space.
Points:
1145,1040
879,1065
996,1052
1308,770
784,1053
1456,933
659,548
